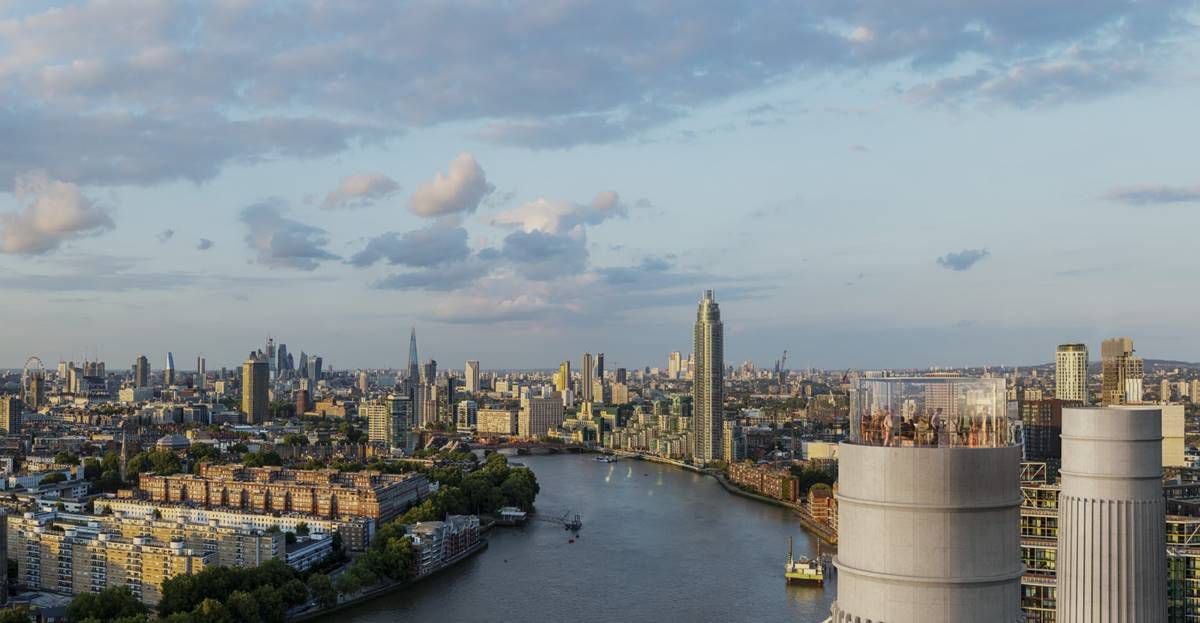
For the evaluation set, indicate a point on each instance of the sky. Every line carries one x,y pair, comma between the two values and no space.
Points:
863,183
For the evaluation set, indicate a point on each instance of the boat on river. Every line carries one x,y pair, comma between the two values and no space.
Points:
803,570
606,458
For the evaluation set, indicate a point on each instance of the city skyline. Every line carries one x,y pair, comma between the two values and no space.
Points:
586,199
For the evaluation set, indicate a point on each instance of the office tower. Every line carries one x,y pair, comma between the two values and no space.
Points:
1071,373
302,368
539,415
413,372
928,504
255,383
201,373
363,382
472,374
269,355
314,368
622,375
303,404
10,414
35,390
1120,372
708,390
600,366
562,380
388,420
674,364
1111,517
429,372
169,371
141,372
283,362
585,378
467,415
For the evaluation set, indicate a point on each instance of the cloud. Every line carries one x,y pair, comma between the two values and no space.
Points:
962,260
358,191
54,212
559,217
441,242
540,255
1152,194
165,235
486,310
123,92
204,244
282,242
439,279
459,190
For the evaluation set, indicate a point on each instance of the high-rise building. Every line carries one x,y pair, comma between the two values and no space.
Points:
1194,391
539,415
35,390
600,366
1112,562
387,420
708,389
1071,373
201,373
413,372
141,372
429,372
10,414
1042,425
622,376
363,382
1039,542
255,387
282,362
269,355
169,371
928,503
1164,391
562,380
674,364
1120,372
585,378
472,374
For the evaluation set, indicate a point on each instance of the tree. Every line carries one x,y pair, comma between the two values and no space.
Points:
66,458
110,604
322,590
52,478
14,615
92,469
302,529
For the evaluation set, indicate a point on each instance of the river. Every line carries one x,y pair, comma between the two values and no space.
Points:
658,544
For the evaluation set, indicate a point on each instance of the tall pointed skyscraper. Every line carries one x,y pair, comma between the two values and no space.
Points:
169,371
414,367
708,388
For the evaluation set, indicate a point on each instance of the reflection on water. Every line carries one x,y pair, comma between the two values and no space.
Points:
660,544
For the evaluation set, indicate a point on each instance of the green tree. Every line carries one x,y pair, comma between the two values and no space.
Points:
92,469
322,590
110,604
52,478
14,615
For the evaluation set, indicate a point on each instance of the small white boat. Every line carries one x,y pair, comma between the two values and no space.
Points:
605,458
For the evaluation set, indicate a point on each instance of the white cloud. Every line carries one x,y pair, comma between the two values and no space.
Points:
361,190
459,190
1152,194
560,217
54,212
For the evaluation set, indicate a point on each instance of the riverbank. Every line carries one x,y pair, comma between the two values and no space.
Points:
387,589
814,527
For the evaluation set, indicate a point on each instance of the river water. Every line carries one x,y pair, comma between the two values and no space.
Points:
658,544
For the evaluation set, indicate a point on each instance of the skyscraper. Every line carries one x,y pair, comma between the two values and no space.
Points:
10,414
141,372
674,364
413,366
708,390
169,371
255,383
929,504
472,374
388,420
1120,372
585,378
1111,517
201,373
1071,373
282,365
269,355
562,380
600,366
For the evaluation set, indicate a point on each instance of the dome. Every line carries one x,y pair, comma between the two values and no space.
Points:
173,442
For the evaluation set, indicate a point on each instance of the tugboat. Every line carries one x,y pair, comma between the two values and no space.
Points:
804,570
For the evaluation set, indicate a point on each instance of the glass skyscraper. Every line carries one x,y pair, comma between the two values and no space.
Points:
708,388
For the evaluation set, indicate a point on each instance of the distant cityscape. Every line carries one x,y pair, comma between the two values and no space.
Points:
129,478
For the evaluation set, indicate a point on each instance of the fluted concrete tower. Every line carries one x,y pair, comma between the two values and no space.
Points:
928,501
1111,541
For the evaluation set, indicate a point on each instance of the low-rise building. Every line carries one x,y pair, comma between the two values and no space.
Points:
766,479
439,543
